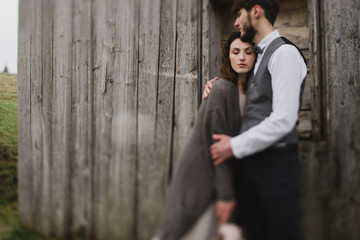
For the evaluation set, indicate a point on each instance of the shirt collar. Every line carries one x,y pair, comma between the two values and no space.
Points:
268,39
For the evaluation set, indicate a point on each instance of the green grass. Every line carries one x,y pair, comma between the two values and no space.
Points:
8,138
10,229
8,155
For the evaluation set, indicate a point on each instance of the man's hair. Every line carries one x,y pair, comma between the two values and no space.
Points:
271,7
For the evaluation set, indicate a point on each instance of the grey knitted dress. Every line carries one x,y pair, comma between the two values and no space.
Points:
196,183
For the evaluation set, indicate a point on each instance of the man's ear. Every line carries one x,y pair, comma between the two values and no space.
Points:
256,11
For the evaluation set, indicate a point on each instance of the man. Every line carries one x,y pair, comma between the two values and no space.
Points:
268,169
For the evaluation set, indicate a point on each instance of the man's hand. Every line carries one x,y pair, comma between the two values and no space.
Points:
221,150
208,87
223,210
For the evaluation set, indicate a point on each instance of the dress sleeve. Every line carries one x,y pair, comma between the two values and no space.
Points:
216,123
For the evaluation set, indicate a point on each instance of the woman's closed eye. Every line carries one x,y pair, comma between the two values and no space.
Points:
249,51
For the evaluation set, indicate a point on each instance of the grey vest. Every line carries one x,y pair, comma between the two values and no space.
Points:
259,94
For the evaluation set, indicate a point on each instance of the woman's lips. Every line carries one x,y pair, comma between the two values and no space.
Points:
242,65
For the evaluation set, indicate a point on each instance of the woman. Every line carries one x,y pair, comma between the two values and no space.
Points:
198,190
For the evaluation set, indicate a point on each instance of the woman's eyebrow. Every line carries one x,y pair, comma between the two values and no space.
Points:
235,48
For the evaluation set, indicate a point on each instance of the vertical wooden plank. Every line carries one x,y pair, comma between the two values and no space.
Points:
61,117
25,174
205,61
122,184
165,110
307,97
314,159
43,218
81,136
103,60
218,23
149,176
316,85
115,92
36,120
215,37
342,41
186,81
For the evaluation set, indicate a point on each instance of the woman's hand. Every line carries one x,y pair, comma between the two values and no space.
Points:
224,209
208,87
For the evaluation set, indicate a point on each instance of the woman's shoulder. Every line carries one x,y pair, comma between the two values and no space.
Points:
222,89
221,86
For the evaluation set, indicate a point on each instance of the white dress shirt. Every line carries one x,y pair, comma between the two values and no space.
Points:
287,69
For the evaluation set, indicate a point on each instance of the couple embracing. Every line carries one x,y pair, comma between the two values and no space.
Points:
241,161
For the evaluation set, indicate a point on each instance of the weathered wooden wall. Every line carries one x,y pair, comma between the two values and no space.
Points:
109,90
331,167
342,73
108,93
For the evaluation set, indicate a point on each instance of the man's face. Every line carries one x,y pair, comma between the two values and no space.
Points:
243,23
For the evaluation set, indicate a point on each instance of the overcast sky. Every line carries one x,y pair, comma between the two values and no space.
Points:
8,34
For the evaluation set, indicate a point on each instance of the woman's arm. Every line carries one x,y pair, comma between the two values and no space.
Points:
208,86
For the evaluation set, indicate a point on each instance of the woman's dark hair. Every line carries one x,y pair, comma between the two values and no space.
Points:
227,72
271,7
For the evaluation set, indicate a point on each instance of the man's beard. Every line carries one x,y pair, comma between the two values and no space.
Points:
248,33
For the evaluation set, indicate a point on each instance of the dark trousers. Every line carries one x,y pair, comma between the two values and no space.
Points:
267,192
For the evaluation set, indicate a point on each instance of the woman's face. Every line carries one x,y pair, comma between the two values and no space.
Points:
242,56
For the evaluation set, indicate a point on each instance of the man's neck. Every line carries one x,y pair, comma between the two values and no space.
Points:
262,31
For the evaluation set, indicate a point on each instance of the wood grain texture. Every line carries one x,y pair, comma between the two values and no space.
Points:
215,36
36,119
61,118
205,43
25,174
155,107
80,121
129,78
103,59
186,79
314,160
108,93
342,69
315,82
165,91
123,165
44,205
